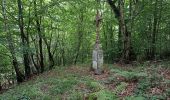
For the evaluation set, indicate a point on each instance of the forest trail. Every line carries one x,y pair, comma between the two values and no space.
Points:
78,83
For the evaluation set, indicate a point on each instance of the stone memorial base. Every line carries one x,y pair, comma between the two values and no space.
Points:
97,64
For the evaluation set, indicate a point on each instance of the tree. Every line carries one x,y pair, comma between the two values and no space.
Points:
38,26
25,40
19,75
124,33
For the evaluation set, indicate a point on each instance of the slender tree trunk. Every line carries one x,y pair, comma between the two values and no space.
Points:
51,59
154,31
130,30
38,25
41,51
120,43
35,62
149,37
126,35
28,31
50,55
19,75
80,36
78,48
63,53
0,87
25,40
158,26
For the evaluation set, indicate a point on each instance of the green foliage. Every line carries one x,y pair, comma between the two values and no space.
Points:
129,75
102,95
94,86
75,96
143,86
157,97
5,63
151,81
112,79
61,83
62,86
135,98
119,88
23,97
168,92
43,87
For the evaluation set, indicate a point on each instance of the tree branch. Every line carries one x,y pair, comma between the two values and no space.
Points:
114,7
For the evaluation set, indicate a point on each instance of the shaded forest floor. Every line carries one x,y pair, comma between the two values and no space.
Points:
139,82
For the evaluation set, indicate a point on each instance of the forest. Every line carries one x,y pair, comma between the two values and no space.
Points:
84,49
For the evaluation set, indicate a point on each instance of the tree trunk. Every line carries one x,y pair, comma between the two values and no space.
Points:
63,60
80,36
38,25
19,75
78,48
25,42
154,31
0,87
50,55
51,59
35,62
126,35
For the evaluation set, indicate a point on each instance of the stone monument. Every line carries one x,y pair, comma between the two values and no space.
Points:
97,56
97,64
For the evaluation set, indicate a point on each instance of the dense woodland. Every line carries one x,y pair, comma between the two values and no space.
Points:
38,35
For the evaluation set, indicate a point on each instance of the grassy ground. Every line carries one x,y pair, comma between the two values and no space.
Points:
138,82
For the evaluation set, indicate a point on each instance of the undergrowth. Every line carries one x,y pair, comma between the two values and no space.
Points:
63,84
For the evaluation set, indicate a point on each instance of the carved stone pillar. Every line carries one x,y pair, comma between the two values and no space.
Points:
97,63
